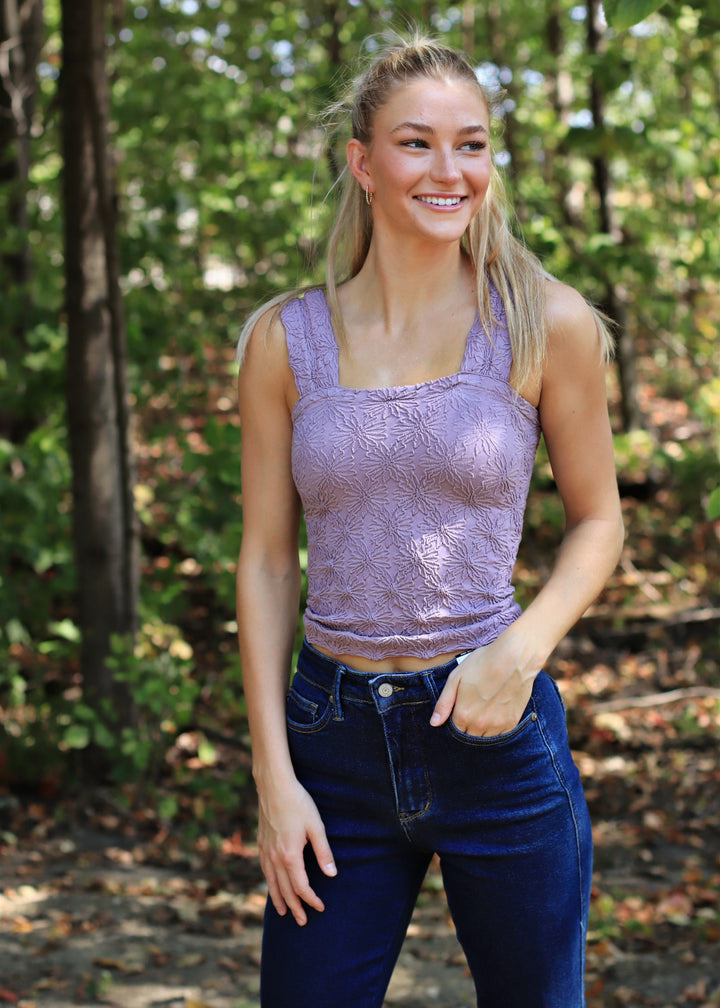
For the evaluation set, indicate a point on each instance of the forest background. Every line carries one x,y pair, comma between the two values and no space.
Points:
162,170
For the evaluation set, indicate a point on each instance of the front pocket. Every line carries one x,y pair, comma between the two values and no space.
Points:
307,707
528,718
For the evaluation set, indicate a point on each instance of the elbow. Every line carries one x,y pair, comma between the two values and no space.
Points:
268,566
619,535
613,536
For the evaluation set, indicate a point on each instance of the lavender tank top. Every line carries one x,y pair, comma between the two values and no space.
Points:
413,495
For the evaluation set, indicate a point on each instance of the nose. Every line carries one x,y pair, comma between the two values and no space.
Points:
444,167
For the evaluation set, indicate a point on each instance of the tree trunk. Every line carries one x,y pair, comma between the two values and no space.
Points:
105,531
21,33
614,302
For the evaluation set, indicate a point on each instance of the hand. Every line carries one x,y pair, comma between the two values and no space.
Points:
288,819
488,691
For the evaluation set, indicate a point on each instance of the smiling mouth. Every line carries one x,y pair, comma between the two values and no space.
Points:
441,201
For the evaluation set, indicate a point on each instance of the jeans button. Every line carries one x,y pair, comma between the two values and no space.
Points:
385,689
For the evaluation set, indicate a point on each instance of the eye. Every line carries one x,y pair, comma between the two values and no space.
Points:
417,143
474,145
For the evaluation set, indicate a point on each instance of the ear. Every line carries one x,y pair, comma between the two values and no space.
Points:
356,153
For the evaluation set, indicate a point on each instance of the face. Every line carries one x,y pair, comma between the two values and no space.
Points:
428,163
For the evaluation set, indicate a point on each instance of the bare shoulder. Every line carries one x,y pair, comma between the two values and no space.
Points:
265,343
265,368
574,371
576,340
568,315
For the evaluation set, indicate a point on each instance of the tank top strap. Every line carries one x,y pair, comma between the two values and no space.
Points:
312,350
488,352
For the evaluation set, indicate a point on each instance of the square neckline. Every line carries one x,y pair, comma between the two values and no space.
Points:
439,379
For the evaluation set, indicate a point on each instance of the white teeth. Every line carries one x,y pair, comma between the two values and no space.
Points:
440,200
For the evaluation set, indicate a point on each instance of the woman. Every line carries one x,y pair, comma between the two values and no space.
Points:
400,409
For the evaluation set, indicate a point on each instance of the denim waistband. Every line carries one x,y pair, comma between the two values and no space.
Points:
354,683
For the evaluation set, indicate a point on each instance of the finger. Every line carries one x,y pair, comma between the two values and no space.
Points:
295,888
275,894
446,701
321,849
303,889
292,901
287,893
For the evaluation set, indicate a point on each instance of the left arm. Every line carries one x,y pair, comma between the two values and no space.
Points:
487,694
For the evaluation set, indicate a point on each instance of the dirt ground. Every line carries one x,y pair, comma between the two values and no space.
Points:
88,925
85,921
95,913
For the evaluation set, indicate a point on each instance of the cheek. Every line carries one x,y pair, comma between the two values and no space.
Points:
482,178
398,168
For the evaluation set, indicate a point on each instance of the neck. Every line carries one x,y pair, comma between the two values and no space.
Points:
404,285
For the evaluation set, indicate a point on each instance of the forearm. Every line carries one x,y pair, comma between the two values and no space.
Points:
587,557
267,609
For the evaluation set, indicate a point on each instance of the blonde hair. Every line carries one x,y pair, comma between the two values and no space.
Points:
496,254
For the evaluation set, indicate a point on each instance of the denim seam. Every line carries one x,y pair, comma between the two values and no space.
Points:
576,831
335,696
311,708
310,729
323,686
487,741
406,818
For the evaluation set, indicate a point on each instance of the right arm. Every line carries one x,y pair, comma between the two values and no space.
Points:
268,595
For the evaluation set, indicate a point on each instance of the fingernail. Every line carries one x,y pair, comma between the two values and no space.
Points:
330,868
435,719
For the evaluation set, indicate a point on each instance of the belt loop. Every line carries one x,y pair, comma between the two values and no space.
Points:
337,706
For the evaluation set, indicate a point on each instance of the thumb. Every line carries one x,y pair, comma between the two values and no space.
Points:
446,702
322,851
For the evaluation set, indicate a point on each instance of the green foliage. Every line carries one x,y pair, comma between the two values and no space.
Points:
158,672
41,722
712,506
224,191
708,409
210,516
35,545
624,14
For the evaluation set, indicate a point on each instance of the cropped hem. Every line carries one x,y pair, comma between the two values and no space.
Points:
426,646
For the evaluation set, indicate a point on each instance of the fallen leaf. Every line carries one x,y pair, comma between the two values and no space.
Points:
106,962
187,910
190,959
229,964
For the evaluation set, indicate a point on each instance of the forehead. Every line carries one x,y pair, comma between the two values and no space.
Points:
448,100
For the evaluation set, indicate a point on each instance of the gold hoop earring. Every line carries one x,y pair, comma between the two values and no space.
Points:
369,196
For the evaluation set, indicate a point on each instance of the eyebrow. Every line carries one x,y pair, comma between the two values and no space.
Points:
424,128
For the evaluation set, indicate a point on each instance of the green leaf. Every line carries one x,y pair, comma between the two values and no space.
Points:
207,753
83,712
712,507
77,736
102,737
622,14
66,629
167,807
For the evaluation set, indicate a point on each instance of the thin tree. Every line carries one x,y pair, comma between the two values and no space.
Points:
21,35
105,532
615,303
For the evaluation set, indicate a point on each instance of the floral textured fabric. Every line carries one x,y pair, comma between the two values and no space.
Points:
413,495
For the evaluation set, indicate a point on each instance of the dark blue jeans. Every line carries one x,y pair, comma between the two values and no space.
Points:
505,814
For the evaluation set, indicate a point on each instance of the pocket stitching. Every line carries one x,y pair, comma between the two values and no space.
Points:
488,740
311,709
